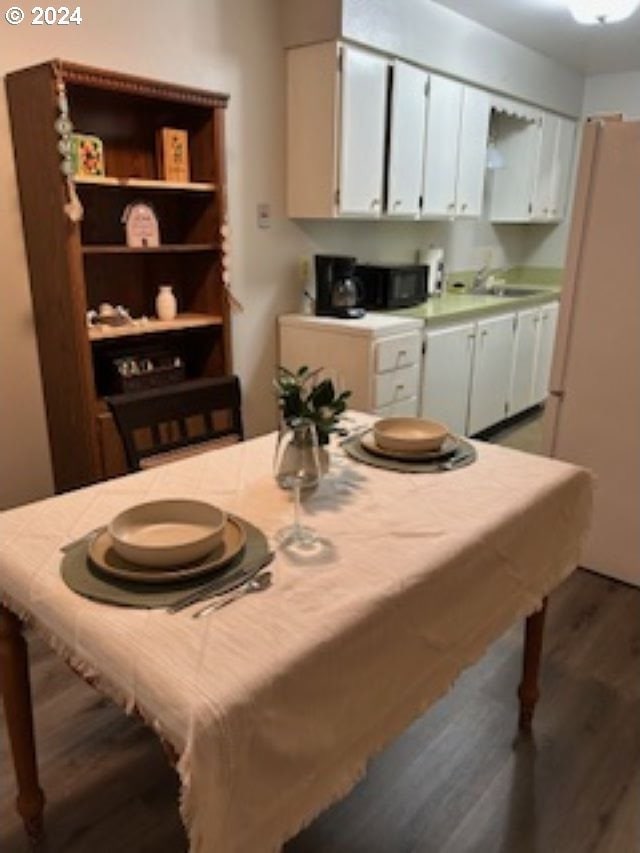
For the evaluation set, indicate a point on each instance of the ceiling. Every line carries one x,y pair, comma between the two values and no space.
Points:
547,26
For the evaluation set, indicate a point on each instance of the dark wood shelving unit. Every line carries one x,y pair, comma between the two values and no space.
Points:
76,266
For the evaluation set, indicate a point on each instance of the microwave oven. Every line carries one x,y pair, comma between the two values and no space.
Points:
392,285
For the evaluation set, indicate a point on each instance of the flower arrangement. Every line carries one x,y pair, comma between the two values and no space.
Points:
300,395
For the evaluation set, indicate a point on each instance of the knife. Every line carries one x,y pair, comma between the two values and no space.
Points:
212,589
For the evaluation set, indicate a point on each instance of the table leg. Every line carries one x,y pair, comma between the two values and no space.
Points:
16,694
529,692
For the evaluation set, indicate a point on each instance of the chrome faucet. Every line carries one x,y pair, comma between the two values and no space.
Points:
480,279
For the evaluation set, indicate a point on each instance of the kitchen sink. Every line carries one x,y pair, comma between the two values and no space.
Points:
507,291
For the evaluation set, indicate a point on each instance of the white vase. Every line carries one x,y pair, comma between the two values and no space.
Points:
166,305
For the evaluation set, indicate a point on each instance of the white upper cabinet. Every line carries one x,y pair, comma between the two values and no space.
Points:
362,132
336,126
472,151
406,139
533,185
372,137
441,147
455,150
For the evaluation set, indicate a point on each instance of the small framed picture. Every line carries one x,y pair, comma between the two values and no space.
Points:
87,156
173,154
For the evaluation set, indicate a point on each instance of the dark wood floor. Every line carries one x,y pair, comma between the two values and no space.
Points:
457,781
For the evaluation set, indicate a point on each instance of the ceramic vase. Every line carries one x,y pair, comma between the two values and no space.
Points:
166,305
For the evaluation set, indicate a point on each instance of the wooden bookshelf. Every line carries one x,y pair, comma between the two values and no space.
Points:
76,266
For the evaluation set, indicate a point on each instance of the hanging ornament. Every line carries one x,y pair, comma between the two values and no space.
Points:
64,128
225,233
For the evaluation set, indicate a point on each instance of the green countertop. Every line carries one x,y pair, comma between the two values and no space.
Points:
458,306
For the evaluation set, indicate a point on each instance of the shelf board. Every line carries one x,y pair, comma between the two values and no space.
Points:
146,184
154,326
167,248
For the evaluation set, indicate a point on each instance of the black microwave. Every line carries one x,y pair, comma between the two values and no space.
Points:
392,285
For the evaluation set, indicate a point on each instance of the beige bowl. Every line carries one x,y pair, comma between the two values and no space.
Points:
167,533
409,434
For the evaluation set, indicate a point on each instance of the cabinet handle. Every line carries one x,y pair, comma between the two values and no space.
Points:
451,206
401,353
484,333
545,210
397,202
471,336
399,387
375,202
464,206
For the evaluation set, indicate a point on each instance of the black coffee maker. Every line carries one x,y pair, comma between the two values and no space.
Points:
338,291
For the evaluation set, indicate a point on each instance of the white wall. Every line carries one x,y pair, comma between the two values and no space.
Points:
226,45
613,93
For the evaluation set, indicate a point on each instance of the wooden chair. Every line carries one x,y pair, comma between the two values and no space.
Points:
164,424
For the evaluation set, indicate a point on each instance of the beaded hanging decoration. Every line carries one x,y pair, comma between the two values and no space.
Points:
225,234
64,128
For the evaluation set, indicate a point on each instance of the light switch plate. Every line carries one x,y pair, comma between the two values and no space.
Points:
264,215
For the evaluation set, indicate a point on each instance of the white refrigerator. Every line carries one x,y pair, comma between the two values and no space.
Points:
593,411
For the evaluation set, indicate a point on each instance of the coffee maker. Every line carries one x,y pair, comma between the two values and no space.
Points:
338,291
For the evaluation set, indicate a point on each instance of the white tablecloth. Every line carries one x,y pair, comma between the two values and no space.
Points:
275,703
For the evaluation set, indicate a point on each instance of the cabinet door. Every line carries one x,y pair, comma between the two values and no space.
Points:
542,196
491,372
562,167
472,153
406,139
362,132
446,377
544,353
524,357
440,166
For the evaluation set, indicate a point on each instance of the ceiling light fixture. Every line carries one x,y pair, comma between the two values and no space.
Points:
601,11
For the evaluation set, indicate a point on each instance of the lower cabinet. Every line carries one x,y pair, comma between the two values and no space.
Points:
490,381
378,358
446,376
544,351
476,374
533,349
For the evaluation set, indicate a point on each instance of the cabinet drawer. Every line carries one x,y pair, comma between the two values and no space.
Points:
397,351
396,385
401,408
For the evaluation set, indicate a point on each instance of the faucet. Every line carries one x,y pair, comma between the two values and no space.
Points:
479,282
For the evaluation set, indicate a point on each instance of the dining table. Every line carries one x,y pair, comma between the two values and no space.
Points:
272,706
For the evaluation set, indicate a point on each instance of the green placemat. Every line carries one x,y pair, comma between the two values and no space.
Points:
464,455
82,578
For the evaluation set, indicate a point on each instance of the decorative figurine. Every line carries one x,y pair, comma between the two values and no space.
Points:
142,229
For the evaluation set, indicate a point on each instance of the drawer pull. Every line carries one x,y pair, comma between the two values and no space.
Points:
399,387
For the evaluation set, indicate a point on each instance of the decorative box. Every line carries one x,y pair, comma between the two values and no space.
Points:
87,156
173,154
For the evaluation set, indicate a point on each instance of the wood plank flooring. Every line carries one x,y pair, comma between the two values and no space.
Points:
457,781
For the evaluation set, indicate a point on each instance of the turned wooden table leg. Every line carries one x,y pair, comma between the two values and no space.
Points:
16,694
529,692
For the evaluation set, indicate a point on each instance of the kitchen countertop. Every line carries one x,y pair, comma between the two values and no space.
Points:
454,306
